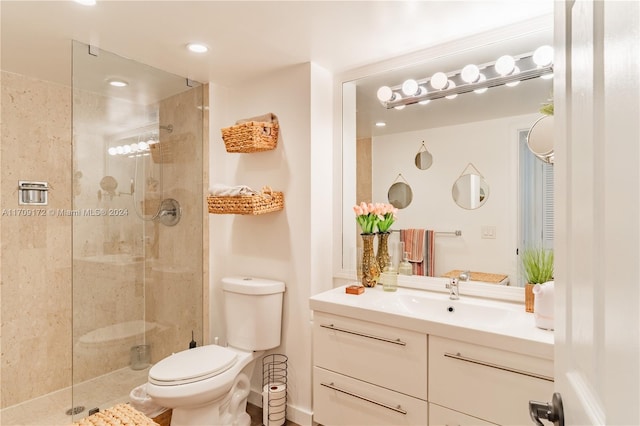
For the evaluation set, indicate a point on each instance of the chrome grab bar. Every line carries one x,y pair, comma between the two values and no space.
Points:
498,367
397,409
369,336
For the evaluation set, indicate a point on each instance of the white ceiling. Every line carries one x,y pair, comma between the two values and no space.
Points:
246,39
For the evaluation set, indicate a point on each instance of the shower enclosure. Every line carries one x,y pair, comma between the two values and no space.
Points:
138,218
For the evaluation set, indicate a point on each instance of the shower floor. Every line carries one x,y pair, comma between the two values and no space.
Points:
50,410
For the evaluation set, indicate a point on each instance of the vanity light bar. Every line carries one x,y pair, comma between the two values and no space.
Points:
526,69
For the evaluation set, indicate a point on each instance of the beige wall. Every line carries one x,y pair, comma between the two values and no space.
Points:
36,250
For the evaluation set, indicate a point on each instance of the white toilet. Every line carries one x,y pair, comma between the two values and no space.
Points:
209,385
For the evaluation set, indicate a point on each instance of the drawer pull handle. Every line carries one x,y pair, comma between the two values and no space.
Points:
498,367
397,409
369,336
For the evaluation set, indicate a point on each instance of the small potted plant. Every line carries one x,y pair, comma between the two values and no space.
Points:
538,269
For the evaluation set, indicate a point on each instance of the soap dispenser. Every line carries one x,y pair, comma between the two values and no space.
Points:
389,276
405,267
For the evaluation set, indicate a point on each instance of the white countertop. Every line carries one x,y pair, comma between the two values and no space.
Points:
498,324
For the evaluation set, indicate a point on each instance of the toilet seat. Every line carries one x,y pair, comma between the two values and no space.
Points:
192,365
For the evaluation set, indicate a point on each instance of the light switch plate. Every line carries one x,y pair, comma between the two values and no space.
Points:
488,232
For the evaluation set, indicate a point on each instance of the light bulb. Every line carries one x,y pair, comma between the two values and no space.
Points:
143,146
439,81
470,73
543,56
118,83
385,94
451,85
516,71
197,47
112,151
481,78
410,87
505,65
134,147
119,150
126,149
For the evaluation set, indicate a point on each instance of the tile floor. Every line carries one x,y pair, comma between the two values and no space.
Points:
49,410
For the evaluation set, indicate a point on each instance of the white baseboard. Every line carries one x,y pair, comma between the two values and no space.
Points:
297,415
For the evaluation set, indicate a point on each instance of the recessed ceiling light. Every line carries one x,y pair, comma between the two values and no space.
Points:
117,83
381,123
86,2
197,47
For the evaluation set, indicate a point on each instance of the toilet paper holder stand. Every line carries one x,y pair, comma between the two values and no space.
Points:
274,389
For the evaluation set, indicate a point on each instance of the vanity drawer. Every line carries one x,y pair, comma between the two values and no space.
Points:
440,416
341,400
488,383
386,356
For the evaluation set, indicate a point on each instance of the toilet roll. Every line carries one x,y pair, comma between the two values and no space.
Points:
274,404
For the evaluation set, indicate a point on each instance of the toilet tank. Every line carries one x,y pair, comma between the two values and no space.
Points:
253,312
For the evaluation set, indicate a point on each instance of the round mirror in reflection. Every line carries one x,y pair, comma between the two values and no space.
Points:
540,138
400,195
424,160
470,191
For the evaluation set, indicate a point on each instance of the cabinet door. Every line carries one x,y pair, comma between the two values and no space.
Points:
440,416
341,400
386,356
487,383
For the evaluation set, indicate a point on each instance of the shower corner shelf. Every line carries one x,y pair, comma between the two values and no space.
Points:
265,202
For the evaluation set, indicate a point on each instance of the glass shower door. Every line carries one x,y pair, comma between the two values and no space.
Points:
137,222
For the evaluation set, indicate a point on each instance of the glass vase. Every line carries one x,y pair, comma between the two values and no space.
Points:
370,268
383,250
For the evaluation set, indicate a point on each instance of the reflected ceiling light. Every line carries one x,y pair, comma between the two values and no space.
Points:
451,85
515,71
380,124
117,83
543,56
86,2
112,150
481,79
197,47
506,70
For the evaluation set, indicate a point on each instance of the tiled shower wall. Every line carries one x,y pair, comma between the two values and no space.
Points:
36,249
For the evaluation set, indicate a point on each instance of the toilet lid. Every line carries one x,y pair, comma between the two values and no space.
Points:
192,365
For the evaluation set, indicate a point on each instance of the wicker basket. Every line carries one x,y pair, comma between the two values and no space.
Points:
252,136
266,202
163,152
121,414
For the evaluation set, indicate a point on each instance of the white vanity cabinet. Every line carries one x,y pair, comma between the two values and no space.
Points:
491,384
368,374
417,358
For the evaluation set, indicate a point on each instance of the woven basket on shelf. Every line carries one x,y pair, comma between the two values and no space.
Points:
163,152
265,202
252,136
164,418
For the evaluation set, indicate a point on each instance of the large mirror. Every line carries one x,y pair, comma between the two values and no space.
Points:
485,129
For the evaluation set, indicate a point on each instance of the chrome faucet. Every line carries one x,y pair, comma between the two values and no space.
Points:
465,276
454,290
